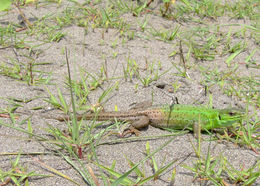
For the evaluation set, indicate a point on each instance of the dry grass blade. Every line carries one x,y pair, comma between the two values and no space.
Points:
51,169
90,170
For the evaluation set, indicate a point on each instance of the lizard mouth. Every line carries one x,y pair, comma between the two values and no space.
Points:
228,121
228,117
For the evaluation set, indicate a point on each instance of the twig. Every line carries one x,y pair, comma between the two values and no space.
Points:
182,58
29,24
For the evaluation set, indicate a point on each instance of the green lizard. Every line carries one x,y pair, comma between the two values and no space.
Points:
170,116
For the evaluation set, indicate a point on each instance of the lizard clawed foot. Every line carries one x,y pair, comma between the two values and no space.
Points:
130,130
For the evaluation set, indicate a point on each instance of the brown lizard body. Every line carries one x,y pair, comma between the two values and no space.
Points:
137,118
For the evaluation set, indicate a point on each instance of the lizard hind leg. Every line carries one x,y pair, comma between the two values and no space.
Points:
142,122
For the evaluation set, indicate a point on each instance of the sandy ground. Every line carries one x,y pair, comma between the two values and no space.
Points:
88,52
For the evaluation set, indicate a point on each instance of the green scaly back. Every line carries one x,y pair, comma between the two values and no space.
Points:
185,116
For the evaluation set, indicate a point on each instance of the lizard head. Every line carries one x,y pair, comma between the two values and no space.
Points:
227,117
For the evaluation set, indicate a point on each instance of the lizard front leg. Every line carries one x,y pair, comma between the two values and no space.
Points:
142,122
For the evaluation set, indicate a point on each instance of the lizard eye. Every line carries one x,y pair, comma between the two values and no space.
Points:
219,117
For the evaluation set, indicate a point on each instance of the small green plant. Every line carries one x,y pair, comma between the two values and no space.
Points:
202,52
18,174
141,179
164,35
176,85
138,9
77,136
131,70
59,104
24,72
220,172
143,25
114,44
